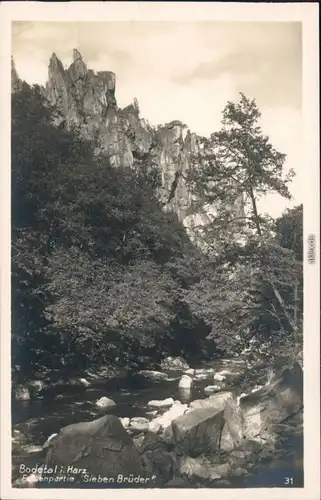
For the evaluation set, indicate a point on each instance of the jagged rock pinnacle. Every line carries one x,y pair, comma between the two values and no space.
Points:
55,64
54,58
76,55
15,80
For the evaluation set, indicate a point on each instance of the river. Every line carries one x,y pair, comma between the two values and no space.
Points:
35,420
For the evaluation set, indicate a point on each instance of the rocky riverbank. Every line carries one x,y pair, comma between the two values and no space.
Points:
222,439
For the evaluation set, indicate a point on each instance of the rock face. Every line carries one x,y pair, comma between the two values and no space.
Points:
86,100
272,404
15,80
101,447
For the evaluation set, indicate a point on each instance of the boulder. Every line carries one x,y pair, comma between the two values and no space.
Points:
272,404
22,393
218,401
211,389
176,364
105,402
232,433
185,382
159,457
198,431
163,421
190,372
161,403
152,374
101,447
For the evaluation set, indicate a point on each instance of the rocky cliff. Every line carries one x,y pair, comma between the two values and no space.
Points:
87,100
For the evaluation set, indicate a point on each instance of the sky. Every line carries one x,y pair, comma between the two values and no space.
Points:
186,71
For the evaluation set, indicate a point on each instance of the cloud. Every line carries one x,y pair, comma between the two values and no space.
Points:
266,64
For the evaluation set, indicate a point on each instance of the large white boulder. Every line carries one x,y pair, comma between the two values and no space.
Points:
155,403
164,421
185,382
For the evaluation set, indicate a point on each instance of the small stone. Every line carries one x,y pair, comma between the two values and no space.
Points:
211,389
161,403
32,449
105,402
219,377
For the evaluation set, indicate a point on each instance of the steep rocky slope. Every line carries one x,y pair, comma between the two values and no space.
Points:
87,101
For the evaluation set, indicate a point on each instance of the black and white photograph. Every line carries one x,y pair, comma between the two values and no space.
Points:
158,246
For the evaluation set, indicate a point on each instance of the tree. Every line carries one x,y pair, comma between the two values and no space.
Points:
233,170
94,257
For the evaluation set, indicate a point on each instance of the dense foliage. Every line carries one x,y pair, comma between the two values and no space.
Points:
101,274
97,265
255,291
